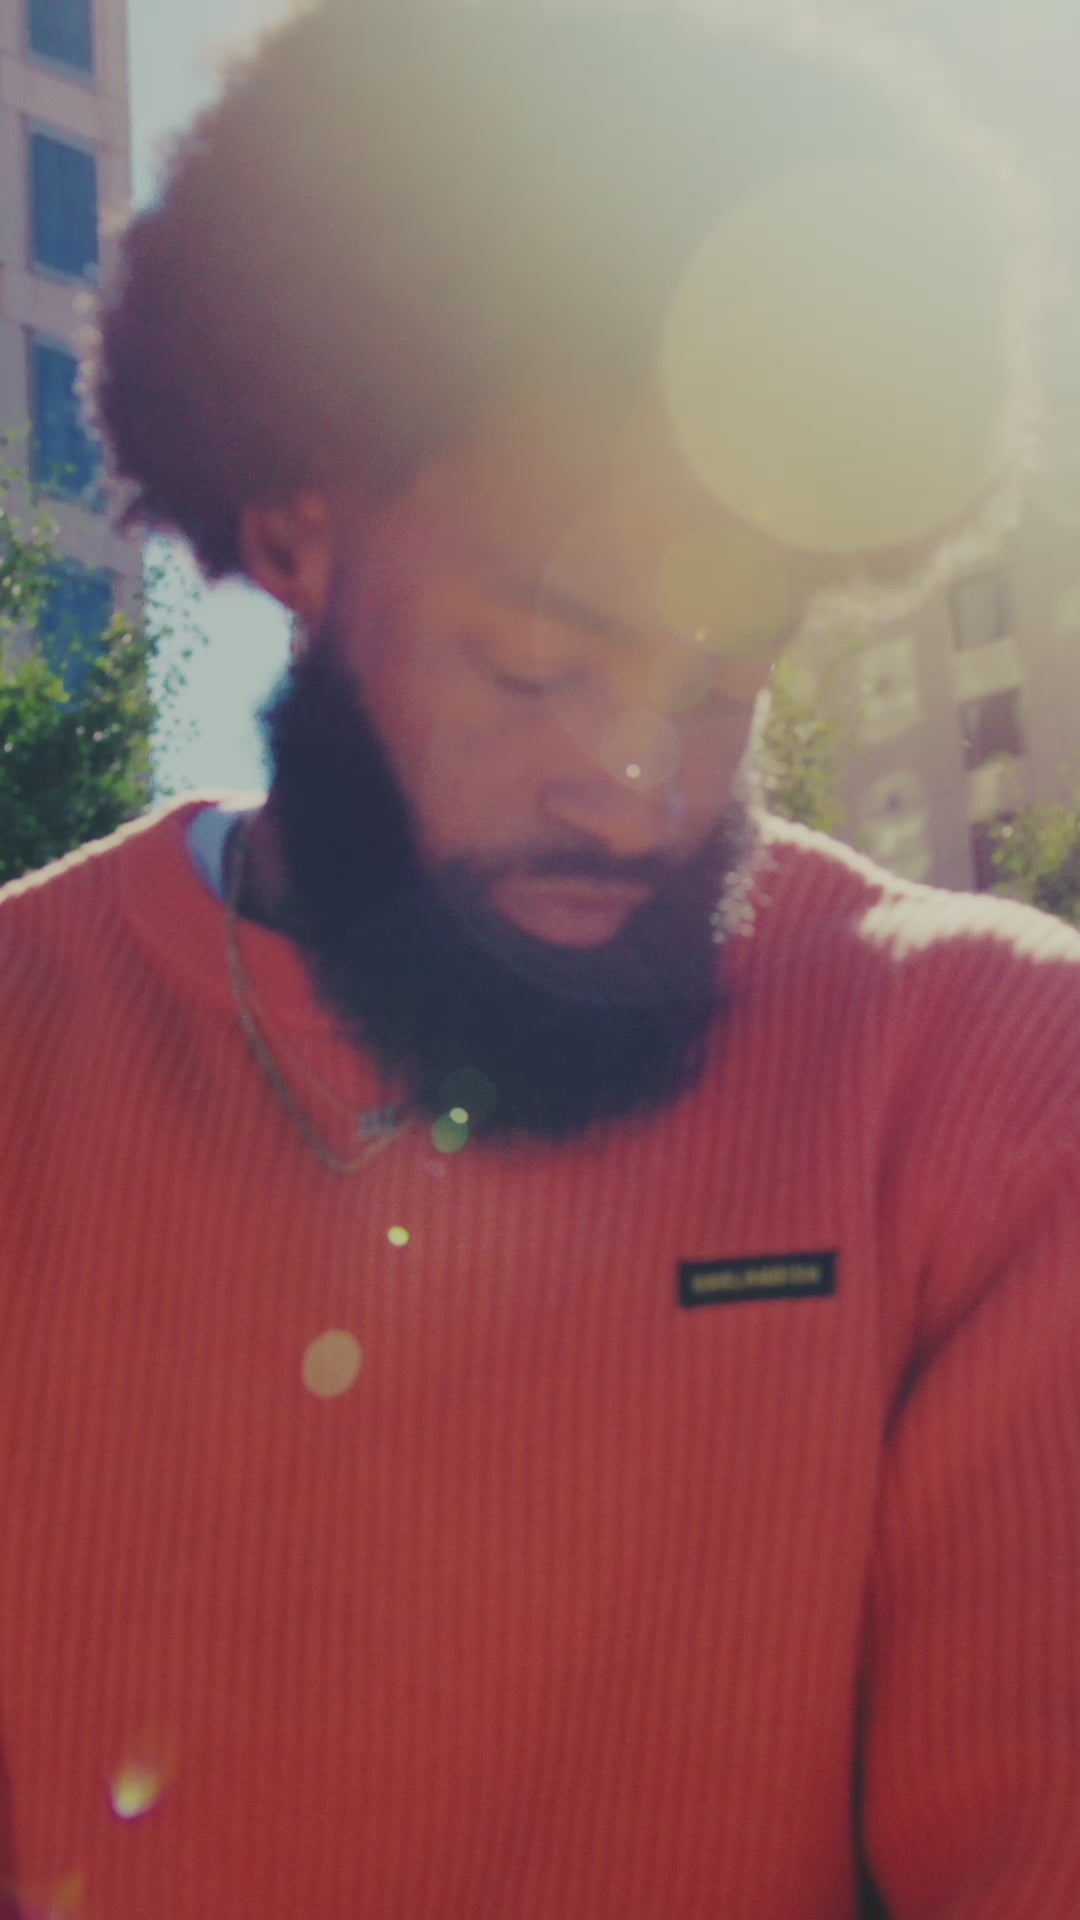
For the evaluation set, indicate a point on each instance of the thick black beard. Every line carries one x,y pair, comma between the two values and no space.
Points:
457,1006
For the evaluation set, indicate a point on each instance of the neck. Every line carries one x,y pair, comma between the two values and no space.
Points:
255,870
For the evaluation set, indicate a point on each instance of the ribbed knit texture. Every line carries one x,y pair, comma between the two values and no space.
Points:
580,1605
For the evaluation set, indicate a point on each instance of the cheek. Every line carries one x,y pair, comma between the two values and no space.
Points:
710,706
717,744
471,792
712,754
464,765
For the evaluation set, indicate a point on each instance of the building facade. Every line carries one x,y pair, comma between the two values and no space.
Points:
974,708
65,178
971,710
968,713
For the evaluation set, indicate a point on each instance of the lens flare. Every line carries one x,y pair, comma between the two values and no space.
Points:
135,1789
642,739
332,1364
148,1765
63,1901
473,1092
729,588
834,358
449,1135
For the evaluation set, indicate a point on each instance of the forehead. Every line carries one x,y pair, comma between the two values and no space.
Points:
588,498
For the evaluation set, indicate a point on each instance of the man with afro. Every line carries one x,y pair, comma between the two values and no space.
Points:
539,1331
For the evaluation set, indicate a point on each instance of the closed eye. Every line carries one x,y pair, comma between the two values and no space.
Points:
485,649
516,684
725,705
562,675
710,702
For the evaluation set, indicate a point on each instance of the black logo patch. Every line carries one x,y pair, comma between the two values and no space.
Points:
771,1276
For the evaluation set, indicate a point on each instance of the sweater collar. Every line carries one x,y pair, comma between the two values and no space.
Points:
175,912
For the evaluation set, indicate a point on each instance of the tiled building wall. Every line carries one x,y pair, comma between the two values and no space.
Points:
65,169
986,703
968,711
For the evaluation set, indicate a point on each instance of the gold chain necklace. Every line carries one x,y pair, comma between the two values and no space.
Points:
391,1124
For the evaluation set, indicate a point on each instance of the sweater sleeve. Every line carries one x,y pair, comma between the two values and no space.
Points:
971,1706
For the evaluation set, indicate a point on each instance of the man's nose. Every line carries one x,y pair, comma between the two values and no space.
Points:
622,790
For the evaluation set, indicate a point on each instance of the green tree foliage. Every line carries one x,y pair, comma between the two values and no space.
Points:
802,743
73,768
75,759
1036,856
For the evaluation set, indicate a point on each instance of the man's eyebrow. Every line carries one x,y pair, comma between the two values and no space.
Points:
549,602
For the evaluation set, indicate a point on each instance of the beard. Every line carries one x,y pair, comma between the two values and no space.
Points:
457,1006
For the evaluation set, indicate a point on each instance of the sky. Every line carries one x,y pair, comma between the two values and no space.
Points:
173,54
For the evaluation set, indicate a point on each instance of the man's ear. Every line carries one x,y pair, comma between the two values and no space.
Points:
288,551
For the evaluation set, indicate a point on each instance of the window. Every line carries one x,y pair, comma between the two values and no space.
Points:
895,822
889,700
66,457
1067,614
78,608
63,30
982,852
991,726
982,611
63,208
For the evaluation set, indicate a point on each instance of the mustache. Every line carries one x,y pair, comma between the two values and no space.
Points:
575,863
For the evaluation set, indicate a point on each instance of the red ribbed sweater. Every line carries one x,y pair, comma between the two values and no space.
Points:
582,1603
